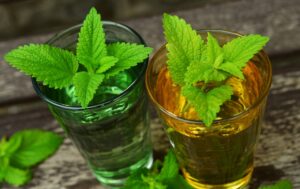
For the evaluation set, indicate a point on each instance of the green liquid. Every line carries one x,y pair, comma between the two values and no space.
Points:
113,139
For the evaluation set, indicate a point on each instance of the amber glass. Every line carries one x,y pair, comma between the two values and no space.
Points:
220,156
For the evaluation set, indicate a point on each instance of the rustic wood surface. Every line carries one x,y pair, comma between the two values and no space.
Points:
278,153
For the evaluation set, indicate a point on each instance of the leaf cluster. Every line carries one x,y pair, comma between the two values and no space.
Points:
161,176
59,68
23,150
195,65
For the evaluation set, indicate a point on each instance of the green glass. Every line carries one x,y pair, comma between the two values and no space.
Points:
113,133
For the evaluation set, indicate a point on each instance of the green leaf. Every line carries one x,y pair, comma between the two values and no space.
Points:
208,104
86,85
207,74
3,146
170,167
178,183
283,184
232,68
106,63
128,55
184,46
153,183
13,144
135,180
91,42
53,66
4,162
36,146
207,68
213,49
17,177
240,50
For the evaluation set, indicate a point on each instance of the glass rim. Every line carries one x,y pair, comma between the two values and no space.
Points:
105,102
199,122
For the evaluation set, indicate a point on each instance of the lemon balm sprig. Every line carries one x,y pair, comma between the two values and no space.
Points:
58,68
192,61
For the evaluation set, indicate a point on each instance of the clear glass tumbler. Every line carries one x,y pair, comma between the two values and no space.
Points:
113,133
220,156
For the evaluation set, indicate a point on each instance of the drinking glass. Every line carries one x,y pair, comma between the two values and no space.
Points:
219,156
112,133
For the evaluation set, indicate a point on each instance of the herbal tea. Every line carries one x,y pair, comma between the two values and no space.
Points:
222,153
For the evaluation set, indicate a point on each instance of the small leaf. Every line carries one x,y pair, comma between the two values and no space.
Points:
232,68
184,46
207,105
178,183
53,66
91,42
86,85
4,163
128,55
36,146
213,49
170,167
283,184
208,73
135,181
17,177
106,63
13,144
240,50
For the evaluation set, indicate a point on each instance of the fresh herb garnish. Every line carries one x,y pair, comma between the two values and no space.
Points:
197,66
23,150
161,176
283,184
58,68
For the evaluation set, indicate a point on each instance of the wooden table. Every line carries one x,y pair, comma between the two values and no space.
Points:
278,153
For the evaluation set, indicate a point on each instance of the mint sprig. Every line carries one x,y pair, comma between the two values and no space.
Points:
202,69
58,68
23,150
161,176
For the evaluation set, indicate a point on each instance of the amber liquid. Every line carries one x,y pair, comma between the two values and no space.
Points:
220,156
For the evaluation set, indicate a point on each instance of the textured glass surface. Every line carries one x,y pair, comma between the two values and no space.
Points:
113,132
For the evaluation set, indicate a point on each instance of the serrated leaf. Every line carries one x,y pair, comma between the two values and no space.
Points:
106,63
170,167
207,74
283,184
53,66
184,46
241,49
91,42
16,176
213,49
36,146
86,85
208,104
232,68
128,55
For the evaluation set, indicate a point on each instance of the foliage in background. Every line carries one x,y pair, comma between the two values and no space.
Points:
23,150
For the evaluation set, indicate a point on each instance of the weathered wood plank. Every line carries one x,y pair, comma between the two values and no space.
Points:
276,18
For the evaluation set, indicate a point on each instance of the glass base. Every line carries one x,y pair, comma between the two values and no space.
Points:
116,179
238,184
